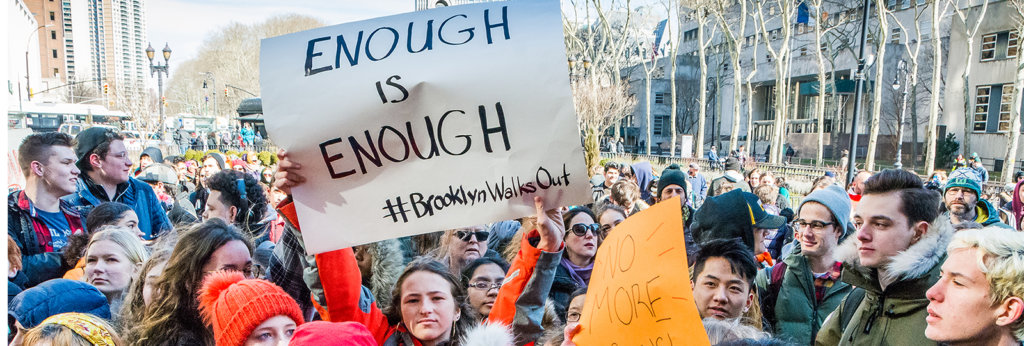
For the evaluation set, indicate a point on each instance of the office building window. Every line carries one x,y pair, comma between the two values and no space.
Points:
56,72
988,47
659,98
999,46
660,125
1011,45
1005,106
53,35
54,53
53,16
981,108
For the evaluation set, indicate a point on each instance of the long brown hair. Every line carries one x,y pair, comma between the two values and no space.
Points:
468,314
134,307
173,316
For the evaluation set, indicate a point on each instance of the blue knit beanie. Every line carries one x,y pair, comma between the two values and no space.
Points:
966,178
836,200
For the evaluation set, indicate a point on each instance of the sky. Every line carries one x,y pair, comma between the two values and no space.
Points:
184,24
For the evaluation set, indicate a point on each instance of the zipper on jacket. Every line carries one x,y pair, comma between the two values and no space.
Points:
874,314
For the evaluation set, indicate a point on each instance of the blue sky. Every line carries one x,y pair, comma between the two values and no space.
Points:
184,24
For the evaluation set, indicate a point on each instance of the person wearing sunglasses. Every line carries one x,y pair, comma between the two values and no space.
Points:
461,246
581,242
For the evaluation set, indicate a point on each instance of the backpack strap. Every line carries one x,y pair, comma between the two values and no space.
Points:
775,276
850,306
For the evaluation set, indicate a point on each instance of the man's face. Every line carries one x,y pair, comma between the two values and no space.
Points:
145,161
960,308
182,169
816,239
719,292
882,229
210,167
59,171
694,171
672,190
116,165
611,175
767,180
215,208
960,200
858,182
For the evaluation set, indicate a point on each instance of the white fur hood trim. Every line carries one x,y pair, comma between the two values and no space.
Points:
488,334
913,262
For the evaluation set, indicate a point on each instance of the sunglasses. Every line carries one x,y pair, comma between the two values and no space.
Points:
581,229
480,235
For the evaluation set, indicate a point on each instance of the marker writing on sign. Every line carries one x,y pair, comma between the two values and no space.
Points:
371,151
628,301
380,43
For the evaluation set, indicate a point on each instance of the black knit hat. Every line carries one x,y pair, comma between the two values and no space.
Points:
732,164
672,176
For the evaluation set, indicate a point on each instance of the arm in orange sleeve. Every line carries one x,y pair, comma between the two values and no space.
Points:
335,282
520,302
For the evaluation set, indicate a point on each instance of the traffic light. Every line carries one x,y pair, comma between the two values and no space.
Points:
163,99
106,89
225,92
31,93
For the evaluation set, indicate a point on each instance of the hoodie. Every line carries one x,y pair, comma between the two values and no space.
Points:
644,175
895,315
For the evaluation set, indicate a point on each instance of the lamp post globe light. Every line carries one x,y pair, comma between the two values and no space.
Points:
160,71
901,71
28,44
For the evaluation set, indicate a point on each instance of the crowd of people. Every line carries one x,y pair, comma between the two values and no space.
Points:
107,249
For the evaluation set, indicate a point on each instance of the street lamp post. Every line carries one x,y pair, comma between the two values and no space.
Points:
28,75
859,95
901,69
216,112
160,71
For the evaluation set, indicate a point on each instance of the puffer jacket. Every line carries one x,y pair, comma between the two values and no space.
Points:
39,261
798,314
137,194
990,215
895,315
339,296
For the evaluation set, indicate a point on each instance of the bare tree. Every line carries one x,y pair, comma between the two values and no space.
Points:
970,32
758,6
821,29
1018,89
782,57
232,55
912,49
733,38
938,11
598,108
882,13
673,8
702,16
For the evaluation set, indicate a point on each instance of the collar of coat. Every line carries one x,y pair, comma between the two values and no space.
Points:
912,263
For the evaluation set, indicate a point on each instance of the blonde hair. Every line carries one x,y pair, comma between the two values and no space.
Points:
124,238
1001,259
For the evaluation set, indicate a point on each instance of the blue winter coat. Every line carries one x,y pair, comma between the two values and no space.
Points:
139,195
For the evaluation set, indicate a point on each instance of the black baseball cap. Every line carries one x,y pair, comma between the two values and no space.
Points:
734,214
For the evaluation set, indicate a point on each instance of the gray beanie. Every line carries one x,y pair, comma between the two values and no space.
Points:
836,200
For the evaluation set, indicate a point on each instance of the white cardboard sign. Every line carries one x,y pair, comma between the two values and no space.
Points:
425,121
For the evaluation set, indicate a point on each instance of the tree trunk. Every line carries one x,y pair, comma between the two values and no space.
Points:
933,99
876,102
702,104
672,115
647,108
1010,163
819,106
737,98
968,112
591,147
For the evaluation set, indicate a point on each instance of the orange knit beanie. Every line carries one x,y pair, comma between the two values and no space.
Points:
235,306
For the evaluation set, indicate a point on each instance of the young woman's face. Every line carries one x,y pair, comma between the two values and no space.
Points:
583,247
277,330
234,256
108,268
428,308
482,299
149,286
130,221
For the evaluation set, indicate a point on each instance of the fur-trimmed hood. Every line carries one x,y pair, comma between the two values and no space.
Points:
388,263
488,334
915,261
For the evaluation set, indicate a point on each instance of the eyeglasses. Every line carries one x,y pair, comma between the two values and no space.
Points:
581,229
815,225
573,316
483,285
480,235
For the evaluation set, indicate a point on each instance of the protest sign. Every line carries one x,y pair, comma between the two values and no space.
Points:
425,121
639,291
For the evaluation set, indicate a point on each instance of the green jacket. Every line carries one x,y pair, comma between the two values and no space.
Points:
798,315
896,315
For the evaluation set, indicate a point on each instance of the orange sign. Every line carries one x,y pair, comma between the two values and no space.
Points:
639,291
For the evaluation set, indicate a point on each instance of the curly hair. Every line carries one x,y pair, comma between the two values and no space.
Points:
134,307
252,205
173,317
